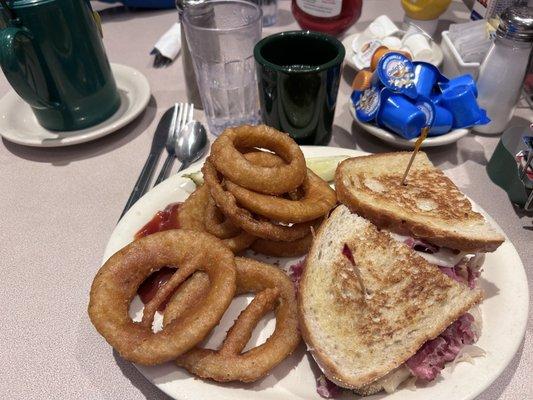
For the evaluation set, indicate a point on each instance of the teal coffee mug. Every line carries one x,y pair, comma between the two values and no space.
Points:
298,74
52,54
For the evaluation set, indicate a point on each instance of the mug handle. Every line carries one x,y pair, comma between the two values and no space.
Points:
11,66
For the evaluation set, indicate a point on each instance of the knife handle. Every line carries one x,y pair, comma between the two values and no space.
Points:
142,182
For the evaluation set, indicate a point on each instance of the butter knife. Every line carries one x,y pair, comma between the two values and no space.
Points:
158,144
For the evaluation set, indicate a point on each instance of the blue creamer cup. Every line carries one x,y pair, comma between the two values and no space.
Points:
462,103
426,77
399,115
396,73
443,122
425,105
438,118
462,80
366,103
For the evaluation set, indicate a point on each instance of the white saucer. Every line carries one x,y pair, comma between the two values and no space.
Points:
397,141
436,59
19,125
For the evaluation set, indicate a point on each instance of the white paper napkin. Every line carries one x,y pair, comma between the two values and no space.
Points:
169,45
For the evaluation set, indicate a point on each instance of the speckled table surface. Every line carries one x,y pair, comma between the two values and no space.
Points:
59,207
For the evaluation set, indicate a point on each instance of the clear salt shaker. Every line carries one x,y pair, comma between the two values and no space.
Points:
502,72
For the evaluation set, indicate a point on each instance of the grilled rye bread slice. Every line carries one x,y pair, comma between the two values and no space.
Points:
429,207
357,338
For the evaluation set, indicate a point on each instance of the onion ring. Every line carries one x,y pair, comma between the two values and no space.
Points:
296,248
274,290
271,248
116,283
263,158
269,180
244,219
317,200
188,295
217,224
192,216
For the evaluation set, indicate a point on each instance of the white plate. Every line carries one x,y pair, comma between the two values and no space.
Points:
397,141
19,125
436,59
503,280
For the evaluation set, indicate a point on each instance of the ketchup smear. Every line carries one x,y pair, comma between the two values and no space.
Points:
161,221
151,285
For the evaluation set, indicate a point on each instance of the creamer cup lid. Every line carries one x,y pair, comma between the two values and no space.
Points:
363,49
483,118
396,72
366,103
363,80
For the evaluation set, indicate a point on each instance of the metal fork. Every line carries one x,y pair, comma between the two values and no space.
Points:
183,114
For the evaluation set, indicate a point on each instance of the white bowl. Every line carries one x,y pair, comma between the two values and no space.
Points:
397,141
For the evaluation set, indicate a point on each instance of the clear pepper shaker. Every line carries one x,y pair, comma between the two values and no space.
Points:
502,72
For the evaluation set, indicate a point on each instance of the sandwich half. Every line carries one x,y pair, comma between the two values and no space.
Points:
428,207
368,305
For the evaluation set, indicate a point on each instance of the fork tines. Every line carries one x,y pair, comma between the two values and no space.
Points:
185,115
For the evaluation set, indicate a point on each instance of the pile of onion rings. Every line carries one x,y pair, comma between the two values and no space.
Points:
258,194
269,195
207,278
274,216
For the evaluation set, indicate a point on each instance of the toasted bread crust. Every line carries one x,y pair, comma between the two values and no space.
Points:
369,390
448,224
327,360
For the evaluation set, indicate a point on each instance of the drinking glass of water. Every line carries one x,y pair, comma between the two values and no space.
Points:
221,35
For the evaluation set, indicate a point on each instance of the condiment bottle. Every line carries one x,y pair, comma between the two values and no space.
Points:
424,13
502,72
328,16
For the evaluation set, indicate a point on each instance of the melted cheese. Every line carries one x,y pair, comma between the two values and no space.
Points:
445,257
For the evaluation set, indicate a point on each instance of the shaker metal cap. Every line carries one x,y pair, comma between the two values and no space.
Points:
516,23
181,4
